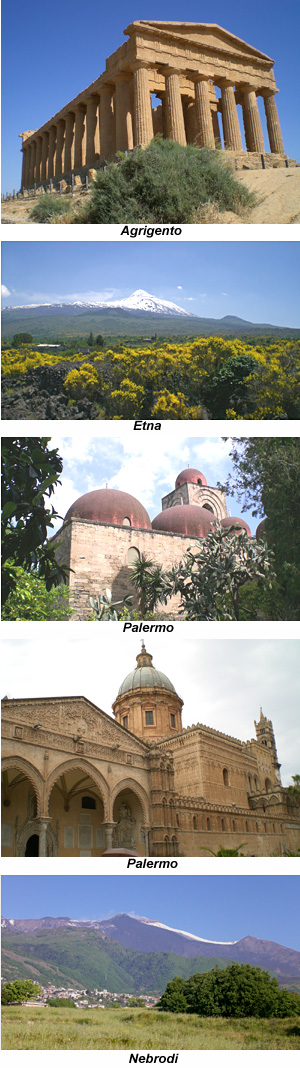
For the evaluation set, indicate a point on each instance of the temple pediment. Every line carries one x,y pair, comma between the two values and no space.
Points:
204,35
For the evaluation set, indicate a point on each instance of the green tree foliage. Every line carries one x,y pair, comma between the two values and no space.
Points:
31,600
47,207
164,182
29,474
104,608
20,990
294,790
61,1003
22,339
266,477
237,991
150,585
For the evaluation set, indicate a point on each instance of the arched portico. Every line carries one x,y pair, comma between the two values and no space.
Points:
78,807
130,808
22,789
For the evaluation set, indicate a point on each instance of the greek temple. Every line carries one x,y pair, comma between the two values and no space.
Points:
180,64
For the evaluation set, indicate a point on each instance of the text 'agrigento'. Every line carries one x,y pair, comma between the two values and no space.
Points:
151,231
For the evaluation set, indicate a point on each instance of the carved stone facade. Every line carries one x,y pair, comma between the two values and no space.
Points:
75,782
181,64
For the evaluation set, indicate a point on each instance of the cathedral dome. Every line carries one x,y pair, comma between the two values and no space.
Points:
145,675
190,475
110,506
185,519
234,521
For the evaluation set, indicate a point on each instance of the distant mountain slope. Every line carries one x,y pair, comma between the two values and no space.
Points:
141,949
137,315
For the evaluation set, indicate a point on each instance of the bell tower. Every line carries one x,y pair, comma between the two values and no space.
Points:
265,735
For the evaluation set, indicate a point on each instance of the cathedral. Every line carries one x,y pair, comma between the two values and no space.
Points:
105,531
77,782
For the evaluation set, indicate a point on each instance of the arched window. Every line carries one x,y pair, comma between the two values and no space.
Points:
255,782
88,802
208,508
132,556
208,823
247,825
126,521
165,810
256,826
167,846
172,719
274,828
194,823
233,825
250,783
225,777
268,785
174,846
177,820
222,825
125,722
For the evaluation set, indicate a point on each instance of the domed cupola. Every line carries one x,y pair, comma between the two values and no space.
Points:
196,522
147,703
190,475
110,506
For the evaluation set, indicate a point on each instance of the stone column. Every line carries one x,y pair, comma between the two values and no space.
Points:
206,137
45,145
59,148
231,129
42,832
92,129
253,130
38,160
51,151
273,124
69,142
25,168
31,178
79,133
143,125
107,138
124,131
108,828
175,120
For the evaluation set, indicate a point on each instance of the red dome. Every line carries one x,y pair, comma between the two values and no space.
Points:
261,529
190,475
185,519
110,506
233,521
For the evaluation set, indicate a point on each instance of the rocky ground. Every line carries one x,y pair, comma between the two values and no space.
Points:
43,396
277,192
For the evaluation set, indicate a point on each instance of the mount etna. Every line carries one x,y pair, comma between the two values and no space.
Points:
128,953
131,316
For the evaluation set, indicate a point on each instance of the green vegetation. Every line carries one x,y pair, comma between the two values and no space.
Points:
48,208
30,598
61,1003
266,477
163,183
141,1029
29,473
19,990
198,378
237,991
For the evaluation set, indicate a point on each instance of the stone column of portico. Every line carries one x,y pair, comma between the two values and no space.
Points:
25,168
69,143
79,135
107,135
108,828
143,125
42,832
59,148
45,146
31,179
92,149
124,129
51,151
252,123
38,160
231,129
205,130
190,122
174,109
273,124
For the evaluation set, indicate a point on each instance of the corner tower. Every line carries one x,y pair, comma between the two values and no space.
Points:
147,703
265,735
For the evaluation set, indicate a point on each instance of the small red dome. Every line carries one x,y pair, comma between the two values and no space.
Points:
110,506
233,521
261,529
190,475
185,519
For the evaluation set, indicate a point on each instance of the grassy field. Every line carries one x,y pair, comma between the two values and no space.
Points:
134,1029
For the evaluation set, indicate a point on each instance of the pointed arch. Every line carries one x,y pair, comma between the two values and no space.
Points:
31,773
79,764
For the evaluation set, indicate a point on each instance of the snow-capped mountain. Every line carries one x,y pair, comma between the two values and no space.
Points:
152,936
139,301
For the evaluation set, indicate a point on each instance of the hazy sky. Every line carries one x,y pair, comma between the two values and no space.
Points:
258,281
48,60
223,908
222,682
131,463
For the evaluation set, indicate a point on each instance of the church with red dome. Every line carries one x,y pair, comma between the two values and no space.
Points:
105,531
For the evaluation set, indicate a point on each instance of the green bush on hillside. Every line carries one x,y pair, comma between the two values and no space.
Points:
237,991
165,182
48,207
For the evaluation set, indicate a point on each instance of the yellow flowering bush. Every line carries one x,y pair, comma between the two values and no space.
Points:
83,383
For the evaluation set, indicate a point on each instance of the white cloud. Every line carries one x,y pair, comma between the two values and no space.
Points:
179,287
5,292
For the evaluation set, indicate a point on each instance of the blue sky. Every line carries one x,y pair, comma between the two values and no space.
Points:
223,908
126,462
222,682
258,281
51,55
